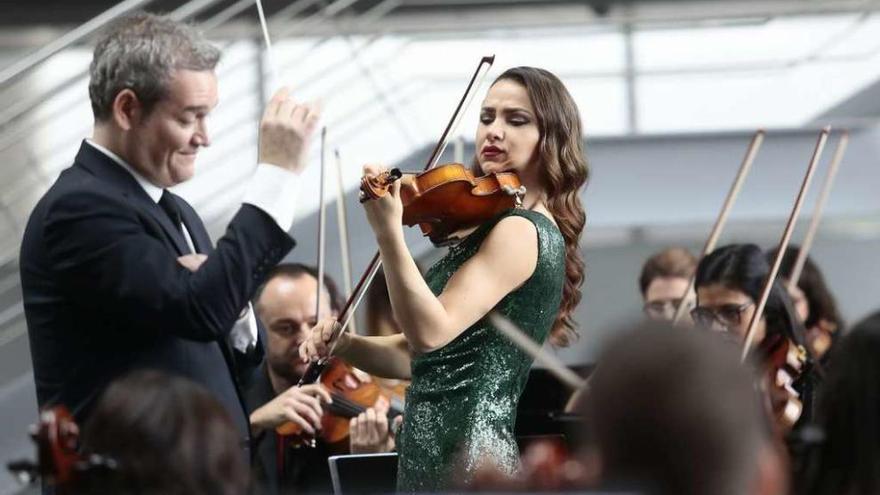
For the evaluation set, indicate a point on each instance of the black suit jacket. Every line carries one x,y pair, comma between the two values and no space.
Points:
103,292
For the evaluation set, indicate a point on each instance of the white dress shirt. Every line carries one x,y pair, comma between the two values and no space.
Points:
271,189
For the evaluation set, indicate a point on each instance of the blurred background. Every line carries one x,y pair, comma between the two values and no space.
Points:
670,93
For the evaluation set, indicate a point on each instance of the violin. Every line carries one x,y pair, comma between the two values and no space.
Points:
59,461
352,393
786,364
447,198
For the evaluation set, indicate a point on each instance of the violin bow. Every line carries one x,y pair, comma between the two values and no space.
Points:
459,112
310,373
313,372
804,251
264,26
322,222
525,343
783,243
738,181
322,217
342,223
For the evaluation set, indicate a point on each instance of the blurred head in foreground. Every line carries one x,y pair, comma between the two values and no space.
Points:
673,411
168,436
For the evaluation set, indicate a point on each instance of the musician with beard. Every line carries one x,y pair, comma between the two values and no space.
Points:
286,306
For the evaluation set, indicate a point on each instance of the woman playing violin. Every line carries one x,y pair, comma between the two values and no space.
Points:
728,284
524,263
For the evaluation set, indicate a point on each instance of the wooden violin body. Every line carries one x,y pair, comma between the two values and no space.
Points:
448,198
352,392
786,363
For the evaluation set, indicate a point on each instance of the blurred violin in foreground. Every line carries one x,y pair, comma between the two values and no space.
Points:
59,462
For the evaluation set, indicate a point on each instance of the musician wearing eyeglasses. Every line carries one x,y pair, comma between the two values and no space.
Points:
729,282
663,281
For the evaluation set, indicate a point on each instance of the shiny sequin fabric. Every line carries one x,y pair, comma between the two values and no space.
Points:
461,405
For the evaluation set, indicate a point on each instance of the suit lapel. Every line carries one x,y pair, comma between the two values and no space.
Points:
111,173
196,228
172,232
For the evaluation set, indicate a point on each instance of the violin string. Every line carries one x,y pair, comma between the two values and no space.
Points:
344,407
339,407
344,401
355,409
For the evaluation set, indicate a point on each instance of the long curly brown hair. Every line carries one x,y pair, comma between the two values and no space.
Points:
564,171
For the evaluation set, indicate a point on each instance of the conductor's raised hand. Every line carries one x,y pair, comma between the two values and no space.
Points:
286,130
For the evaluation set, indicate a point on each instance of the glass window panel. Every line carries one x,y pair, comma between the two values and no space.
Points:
759,44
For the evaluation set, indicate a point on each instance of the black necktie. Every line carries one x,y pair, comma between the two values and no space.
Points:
169,205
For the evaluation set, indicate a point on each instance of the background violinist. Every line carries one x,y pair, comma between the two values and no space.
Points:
286,306
664,278
728,285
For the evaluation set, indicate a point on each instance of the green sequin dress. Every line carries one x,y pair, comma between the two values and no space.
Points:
461,405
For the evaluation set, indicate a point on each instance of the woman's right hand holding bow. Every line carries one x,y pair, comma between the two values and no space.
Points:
318,341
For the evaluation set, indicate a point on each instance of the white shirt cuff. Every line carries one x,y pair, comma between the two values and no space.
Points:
274,190
243,335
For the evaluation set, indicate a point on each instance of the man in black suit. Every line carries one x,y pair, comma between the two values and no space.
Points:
108,255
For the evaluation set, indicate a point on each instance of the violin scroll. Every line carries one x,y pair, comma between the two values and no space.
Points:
375,187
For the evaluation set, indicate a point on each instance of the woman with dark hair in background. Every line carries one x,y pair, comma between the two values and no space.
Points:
525,264
168,436
729,282
813,301
847,462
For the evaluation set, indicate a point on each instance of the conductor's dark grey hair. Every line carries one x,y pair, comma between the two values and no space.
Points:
140,52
